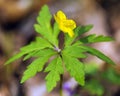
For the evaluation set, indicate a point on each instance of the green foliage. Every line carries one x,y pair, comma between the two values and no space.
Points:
44,26
55,69
15,57
112,76
94,88
97,53
38,64
93,39
78,32
78,53
98,81
83,29
47,45
75,68
56,32
91,69
39,44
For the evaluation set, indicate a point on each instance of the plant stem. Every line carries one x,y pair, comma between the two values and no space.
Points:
61,82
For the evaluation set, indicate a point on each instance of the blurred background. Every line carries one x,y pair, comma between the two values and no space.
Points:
16,30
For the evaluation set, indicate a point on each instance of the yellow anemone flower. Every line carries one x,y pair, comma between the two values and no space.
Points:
65,25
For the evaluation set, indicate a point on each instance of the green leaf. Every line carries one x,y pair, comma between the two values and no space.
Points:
44,25
39,29
75,68
83,29
33,68
36,66
91,68
55,69
39,44
45,52
56,29
45,16
68,40
94,88
78,32
29,55
56,32
74,51
15,57
40,53
112,76
93,38
97,53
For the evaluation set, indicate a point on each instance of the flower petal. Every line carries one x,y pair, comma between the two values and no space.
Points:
65,25
61,15
69,23
71,33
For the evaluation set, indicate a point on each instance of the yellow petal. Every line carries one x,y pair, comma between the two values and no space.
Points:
63,28
61,15
67,30
71,33
69,23
65,25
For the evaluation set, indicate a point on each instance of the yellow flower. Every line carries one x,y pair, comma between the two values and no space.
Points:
65,25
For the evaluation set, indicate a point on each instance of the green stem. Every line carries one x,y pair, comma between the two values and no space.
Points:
61,82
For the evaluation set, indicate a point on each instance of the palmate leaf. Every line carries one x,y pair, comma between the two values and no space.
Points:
74,51
56,32
83,29
39,53
44,25
75,68
93,39
78,32
15,57
97,53
33,68
36,66
39,44
29,55
46,15
55,69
